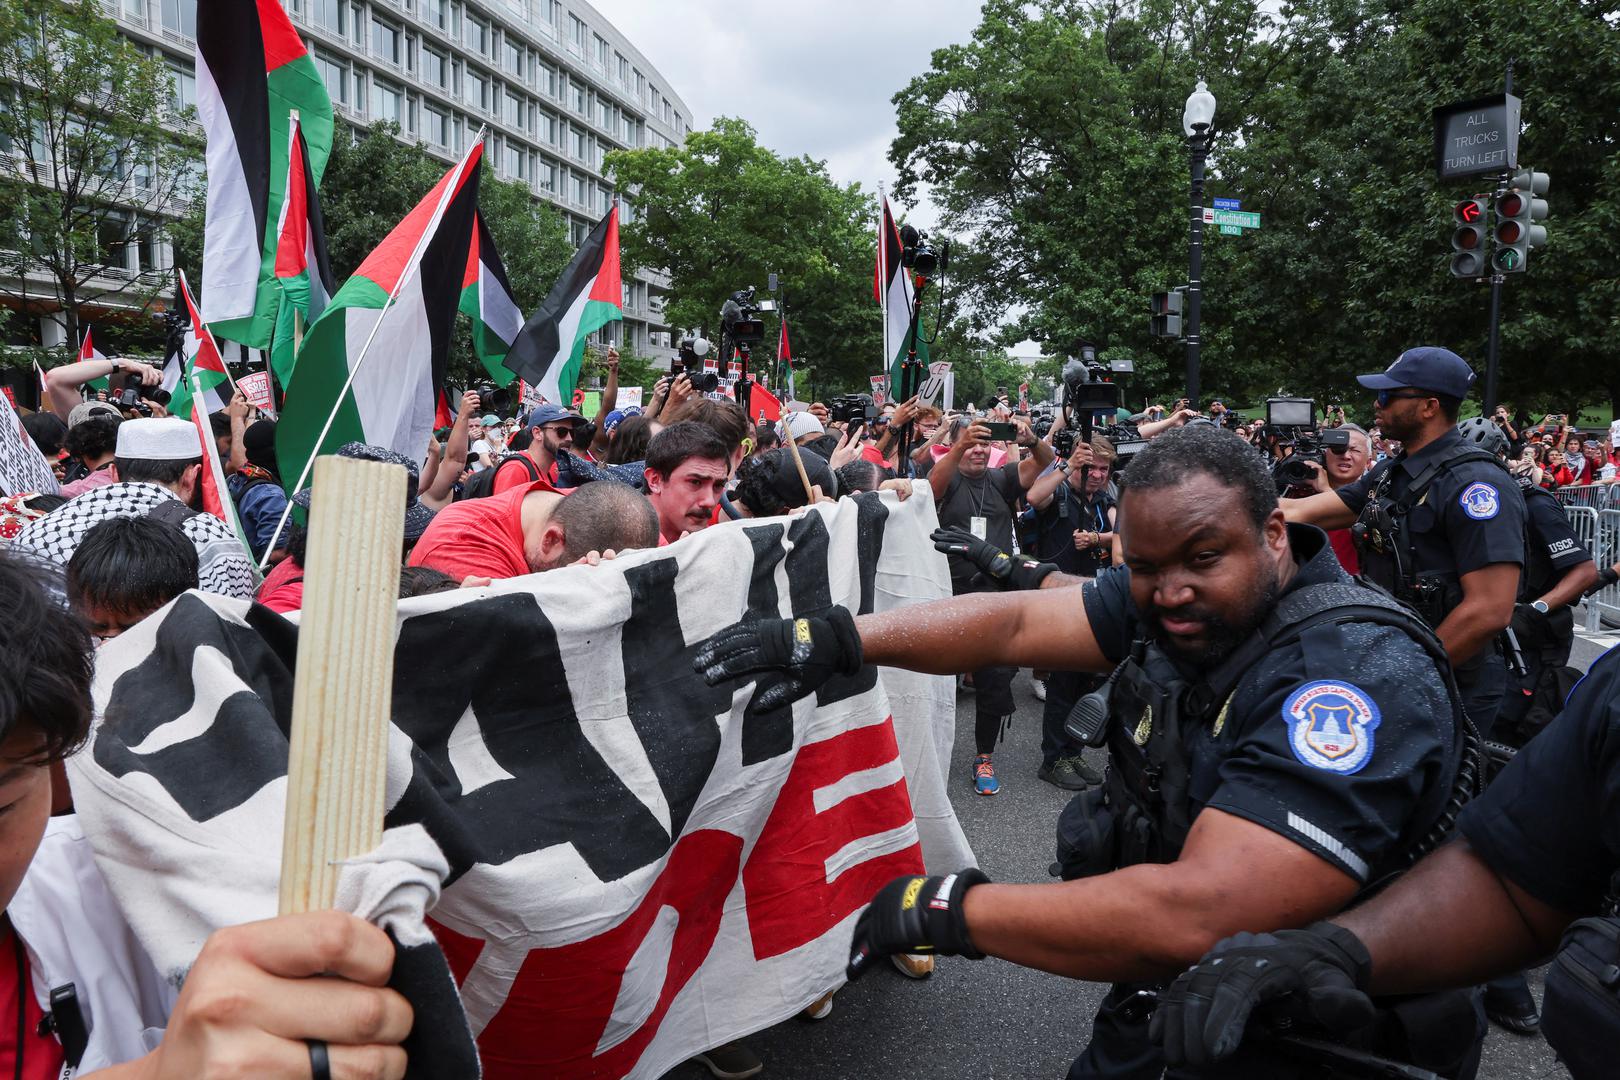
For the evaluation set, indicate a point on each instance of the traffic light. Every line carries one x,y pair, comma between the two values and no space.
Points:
1166,310
1468,238
1517,211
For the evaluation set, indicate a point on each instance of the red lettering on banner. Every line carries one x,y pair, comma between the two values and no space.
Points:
559,1006
790,901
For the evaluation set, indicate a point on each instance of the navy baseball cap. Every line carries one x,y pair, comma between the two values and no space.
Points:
1426,367
548,413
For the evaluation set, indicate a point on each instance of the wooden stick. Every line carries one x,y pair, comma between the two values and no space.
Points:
798,463
343,696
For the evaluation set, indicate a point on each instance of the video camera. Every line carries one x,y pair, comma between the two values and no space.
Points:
1292,422
692,352
853,408
130,397
918,255
740,316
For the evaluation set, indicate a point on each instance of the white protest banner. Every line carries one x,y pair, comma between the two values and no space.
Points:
694,868
938,373
1023,397
880,389
530,396
23,469
629,398
255,386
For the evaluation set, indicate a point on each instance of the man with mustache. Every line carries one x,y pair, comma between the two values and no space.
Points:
1281,738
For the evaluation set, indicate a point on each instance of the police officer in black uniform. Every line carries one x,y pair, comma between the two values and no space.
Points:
1441,525
1280,737
1558,569
1539,851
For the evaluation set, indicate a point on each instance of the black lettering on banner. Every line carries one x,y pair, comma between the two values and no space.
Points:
500,656
766,732
244,746
672,709
811,590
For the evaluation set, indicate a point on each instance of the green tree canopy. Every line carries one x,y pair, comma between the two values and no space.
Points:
720,212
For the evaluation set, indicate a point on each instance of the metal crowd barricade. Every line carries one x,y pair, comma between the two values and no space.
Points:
1584,520
1605,605
1596,496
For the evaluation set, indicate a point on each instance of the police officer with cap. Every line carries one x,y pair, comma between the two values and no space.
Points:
1537,872
1441,525
1281,738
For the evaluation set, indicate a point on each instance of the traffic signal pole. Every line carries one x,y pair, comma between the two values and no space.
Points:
1493,341
1199,146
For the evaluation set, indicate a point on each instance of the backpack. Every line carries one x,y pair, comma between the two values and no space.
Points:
482,485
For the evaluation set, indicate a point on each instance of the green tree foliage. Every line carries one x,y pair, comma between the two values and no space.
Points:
99,157
721,212
1054,139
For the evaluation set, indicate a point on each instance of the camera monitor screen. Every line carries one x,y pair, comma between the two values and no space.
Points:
1290,412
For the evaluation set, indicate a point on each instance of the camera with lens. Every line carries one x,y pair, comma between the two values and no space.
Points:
1063,444
1292,422
1087,388
853,408
130,397
740,316
692,352
486,396
918,255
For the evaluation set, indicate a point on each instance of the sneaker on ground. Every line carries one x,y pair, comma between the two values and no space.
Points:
1086,773
1062,773
1040,689
732,1061
984,776
819,1009
913,966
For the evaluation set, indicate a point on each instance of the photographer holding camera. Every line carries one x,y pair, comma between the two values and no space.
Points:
980,502
1343,465
63,383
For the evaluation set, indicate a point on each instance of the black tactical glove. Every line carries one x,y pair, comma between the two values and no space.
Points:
915,915
1002,570
1323,968
810,651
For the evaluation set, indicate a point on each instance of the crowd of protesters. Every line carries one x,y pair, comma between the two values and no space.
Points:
493,497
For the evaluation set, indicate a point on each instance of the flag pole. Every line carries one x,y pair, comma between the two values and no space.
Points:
883,274
365,350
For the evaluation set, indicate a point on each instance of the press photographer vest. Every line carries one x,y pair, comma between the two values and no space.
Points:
1153,708
1384,542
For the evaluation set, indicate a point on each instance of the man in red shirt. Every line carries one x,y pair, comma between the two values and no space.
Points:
688,465
1344,467
554,429
533,528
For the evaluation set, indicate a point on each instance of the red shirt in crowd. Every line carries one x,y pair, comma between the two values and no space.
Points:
511,474
42,1056
478,537
283,588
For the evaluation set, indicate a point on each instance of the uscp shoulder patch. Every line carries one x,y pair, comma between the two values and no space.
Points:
1330,725
1480,501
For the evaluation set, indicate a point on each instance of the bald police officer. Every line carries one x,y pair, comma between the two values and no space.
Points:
1263,772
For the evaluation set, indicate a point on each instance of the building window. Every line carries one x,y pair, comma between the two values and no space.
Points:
603,120
385,101
629,130
576,35
475,90
624,69
433,67
580,101
513,109
385,40
434,13
546,80
517,160
582,145
336,74
180,17
332,14
546,128
512,57
579,190
641,85
545,177
601,52
475,32
436,126
183,85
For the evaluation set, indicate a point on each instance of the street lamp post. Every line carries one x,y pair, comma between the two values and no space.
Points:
1195,122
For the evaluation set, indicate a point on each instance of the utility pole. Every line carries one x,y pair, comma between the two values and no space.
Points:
1493,344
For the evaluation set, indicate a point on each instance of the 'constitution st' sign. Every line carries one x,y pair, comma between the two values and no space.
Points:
1472,138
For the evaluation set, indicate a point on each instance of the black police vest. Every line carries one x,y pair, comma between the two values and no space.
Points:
1384,541
1153,708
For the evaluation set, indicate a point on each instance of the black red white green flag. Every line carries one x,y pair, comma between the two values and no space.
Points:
301,265
891,288
486,298
252,71
372,363
203,370
784,359
87,351
550,349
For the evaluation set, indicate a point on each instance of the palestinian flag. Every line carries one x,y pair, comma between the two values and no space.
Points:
301,265
204,368
87,351
891,287
372,363
216,497
252,71
589,295
486,298
784,358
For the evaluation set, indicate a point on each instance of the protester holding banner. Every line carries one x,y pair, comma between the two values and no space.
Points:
159,467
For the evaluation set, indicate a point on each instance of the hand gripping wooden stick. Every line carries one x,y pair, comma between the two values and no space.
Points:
343,695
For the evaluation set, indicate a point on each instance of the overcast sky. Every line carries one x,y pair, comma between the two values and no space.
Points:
812,78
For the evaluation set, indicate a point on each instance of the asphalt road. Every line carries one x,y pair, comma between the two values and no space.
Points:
990,1020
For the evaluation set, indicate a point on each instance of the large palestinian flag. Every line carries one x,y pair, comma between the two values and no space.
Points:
486,297
589,295
202,367
252,71
372,362
891,287
301,266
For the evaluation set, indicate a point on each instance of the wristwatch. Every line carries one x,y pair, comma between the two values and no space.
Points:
1541,606
115,362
